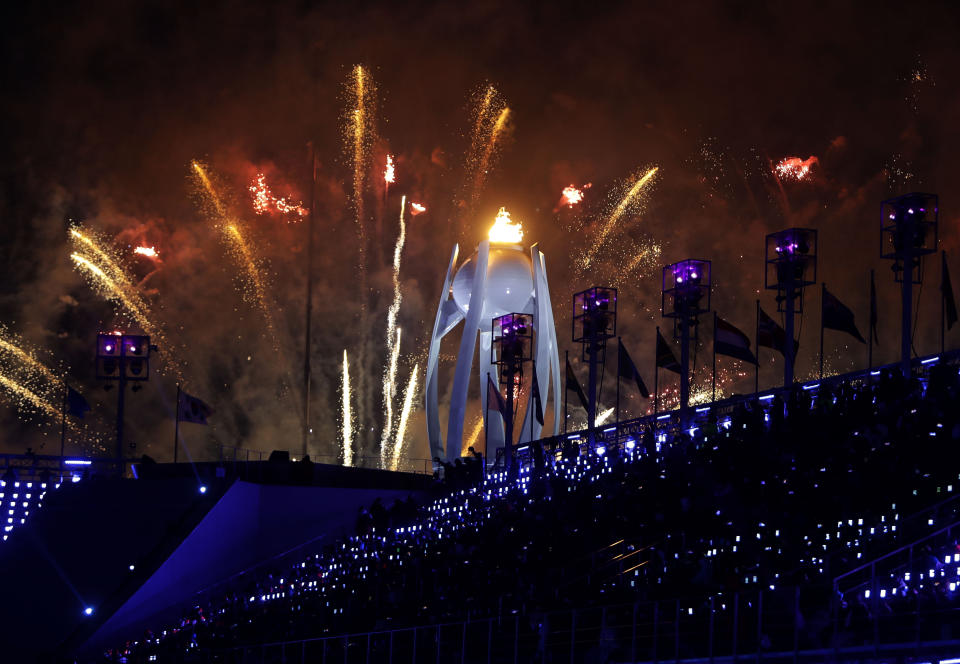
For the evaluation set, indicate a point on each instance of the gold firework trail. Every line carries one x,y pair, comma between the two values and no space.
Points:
345,413
489,117
112,290
30,362
497,134
408,400
628,199
24,396
393,337
471,440
254,288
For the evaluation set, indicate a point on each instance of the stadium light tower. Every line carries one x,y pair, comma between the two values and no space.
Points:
908,232
685,294
123,358
594,321
790,266
512,347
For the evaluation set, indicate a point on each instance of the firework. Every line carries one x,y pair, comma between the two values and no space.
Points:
489,129
254,288
417,208
408,400
115,291
359,135
505,230
604,416
795,168
571,196
630,199
26,358
496,138
265,201
28,382
471,440
389,173
393,335
149,252
27,398
257,288
345,413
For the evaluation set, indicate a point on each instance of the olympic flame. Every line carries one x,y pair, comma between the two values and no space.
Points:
504,230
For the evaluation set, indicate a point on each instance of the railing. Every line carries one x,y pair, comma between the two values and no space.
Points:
244,455
759,626
668,423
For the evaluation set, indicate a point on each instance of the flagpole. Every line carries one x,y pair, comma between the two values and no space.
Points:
176,427
619,352
566,355
756,366
943,301
714,395
872,323
533,400
656,377
823,289
486,423
63,423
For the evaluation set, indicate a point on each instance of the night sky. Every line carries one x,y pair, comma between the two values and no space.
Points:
107,104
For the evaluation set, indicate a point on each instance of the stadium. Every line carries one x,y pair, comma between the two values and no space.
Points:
307,376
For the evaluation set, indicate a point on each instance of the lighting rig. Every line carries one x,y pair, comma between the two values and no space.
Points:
908,232
790,266
594,321
685,294
512,348
123,358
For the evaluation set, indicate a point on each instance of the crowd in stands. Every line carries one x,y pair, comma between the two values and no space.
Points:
782,491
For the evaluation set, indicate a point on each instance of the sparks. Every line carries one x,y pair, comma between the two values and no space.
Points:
112,290
265,201
795,168
490,127
571,195
393,337
389,174
149,252
629,198
408,401
504,230
604,416
345,414
417,208
471,440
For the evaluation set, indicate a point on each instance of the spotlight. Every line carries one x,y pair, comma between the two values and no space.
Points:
88,611
203,489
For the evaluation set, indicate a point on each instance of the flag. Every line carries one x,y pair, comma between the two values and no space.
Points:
873,310
627,369
835,315
728,340
192,409
665,356
495,399
573,384
771,335
946,289
76,404
537,402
